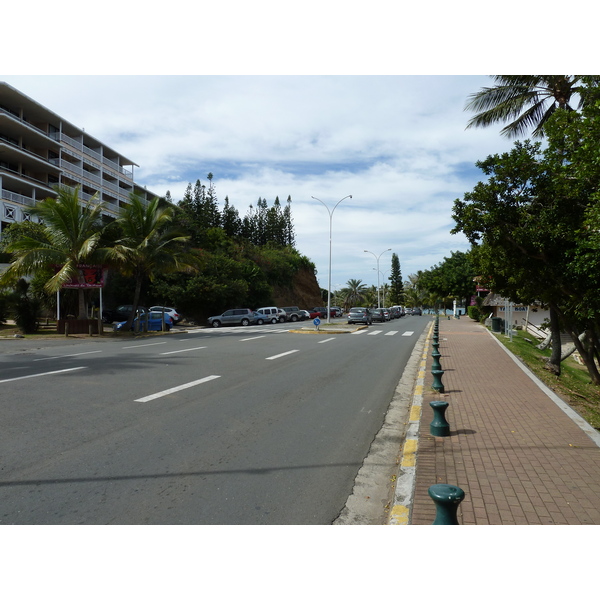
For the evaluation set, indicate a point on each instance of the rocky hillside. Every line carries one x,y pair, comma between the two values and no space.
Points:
304,293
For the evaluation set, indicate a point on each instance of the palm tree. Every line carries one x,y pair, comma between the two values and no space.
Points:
526,101
148,244
354,293
72,236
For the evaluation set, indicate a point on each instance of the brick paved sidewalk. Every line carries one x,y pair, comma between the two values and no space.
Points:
518,457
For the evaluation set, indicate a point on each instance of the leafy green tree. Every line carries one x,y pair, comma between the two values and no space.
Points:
148,244
396,295
71,236
450,279
525,224
527,101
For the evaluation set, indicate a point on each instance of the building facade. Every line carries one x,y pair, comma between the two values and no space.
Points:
40,150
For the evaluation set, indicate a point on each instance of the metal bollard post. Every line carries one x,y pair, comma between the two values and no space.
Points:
66,328
446,498
435,365
439,427
438,386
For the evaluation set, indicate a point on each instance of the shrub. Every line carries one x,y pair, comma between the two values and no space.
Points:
474,313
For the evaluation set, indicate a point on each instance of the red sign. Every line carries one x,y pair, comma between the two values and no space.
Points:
90,276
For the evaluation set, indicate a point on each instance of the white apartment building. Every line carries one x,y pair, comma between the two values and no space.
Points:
39,149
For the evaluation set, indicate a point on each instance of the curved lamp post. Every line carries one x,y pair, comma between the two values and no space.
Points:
330,224
377,258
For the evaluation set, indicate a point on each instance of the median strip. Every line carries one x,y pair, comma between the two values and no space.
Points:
177,389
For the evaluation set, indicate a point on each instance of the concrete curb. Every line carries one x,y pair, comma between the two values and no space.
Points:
405,481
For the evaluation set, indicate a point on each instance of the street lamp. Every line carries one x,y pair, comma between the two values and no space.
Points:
330,223
377,258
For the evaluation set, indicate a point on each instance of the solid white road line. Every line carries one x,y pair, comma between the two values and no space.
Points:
280,355
327,340
143,345
177,389
252,338
184,350
66,355
42,374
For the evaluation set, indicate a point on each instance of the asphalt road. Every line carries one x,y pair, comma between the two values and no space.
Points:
249,425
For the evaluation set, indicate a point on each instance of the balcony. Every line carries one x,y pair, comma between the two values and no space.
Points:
18,198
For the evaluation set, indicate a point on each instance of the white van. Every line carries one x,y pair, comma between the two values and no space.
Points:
273,314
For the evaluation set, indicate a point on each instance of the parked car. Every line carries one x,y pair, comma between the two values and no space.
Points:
169,311
305,314
386,314
234,316
121,313
152,319
336,311
360,315
295,314
416,311
273,314
313,314
377,315
259,318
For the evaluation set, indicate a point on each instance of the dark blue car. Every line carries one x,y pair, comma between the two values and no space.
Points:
154,320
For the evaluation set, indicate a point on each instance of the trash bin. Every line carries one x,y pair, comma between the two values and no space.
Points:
496,324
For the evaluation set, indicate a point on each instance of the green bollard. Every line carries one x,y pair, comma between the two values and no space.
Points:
435,365
446,498
439,427
438,386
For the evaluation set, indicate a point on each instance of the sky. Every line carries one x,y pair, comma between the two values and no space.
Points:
396,144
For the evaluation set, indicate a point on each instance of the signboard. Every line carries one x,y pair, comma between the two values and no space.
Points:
90,276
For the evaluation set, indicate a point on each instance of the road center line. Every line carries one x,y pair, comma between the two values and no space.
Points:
177,389
327,340
185,350
66,355
252,338
42,374
142,345
280,355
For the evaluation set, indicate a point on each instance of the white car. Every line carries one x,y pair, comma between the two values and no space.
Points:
168,311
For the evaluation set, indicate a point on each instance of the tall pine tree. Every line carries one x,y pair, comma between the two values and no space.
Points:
396,286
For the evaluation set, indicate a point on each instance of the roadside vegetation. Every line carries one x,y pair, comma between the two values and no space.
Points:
191,254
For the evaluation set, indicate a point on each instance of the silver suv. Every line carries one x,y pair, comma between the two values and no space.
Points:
235,316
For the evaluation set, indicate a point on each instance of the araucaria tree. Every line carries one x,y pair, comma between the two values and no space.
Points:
396,296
